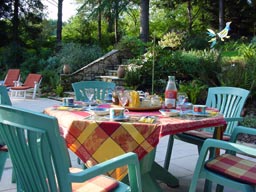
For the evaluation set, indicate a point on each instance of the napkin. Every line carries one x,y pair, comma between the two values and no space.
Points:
147,119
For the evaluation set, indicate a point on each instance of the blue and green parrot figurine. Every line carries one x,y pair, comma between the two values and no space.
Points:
221,35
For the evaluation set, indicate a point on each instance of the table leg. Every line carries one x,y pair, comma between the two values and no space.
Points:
151,172
149,183
163,175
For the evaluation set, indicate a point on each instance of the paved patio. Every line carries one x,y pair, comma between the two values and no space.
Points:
182,164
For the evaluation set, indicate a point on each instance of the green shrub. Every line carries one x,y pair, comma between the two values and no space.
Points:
202,65
253,41
78,56
51,79
248,51
198,42
133,76
249,121
132,46
59,90
196,91
240,74
171,40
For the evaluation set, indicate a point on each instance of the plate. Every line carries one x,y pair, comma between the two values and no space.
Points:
125,118
152,108
169,112
68,108
199,114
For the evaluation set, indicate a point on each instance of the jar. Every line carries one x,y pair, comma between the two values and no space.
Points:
121,71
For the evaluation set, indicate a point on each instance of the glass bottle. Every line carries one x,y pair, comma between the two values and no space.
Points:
170,93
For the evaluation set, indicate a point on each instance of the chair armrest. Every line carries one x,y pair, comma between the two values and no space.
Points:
229,119
228,146
129,159
241,129
210,144
17,83
35,84
232,148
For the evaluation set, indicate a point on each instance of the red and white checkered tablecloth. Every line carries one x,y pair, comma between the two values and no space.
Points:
95,141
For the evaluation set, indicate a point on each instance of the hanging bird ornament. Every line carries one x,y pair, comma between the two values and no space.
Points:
221,35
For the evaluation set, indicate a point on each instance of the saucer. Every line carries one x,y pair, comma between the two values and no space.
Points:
125,118
169,112
199,114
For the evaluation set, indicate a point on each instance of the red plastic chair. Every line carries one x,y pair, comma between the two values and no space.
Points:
12,76
31,83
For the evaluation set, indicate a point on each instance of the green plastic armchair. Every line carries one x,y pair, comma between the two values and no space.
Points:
101,89
230,169
230,102
40,157
4,100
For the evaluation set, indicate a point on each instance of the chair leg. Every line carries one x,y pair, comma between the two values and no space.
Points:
199,148
34,94
13,176
168,152
25,94
219,188
207,186
3,157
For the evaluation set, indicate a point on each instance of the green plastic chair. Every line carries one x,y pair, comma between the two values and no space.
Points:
230,102
40,156
102,88
215,169
4,100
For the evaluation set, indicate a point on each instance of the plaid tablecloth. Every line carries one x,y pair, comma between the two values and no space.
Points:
95,141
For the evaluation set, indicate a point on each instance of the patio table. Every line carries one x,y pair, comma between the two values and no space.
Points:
95,140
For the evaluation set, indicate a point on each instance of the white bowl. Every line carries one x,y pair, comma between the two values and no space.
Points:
169,112
100,111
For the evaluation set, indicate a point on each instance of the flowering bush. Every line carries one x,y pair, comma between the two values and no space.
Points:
171,40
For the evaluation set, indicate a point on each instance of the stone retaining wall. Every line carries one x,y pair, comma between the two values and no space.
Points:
109,61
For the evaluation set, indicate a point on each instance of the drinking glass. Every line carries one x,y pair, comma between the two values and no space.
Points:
181,99
89,93
82,93
123,97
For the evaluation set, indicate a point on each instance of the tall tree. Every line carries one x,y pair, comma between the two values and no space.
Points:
221,15
15,21
59,23
190,19
99,22
25,17
144,20
109,9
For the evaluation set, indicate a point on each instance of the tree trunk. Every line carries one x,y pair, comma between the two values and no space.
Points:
221,15
190,22
15,25
99,23
144,20
59,23
116,21
15,21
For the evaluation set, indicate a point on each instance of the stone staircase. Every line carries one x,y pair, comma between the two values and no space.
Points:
104,68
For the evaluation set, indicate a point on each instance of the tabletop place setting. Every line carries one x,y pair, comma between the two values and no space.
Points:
136,106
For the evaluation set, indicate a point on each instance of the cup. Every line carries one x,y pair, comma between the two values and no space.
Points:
199,108
146,103
117,113
155,100
68,101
